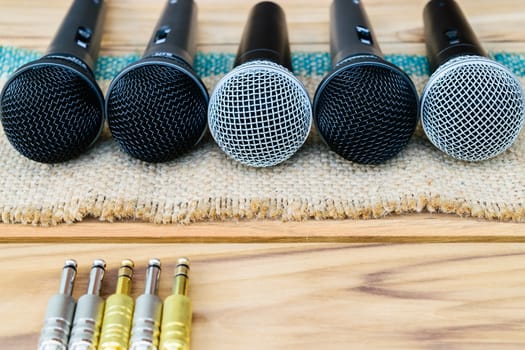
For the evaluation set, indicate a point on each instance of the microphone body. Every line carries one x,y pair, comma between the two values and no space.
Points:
472,108
265,37
366,109
52,109
156,107
260,113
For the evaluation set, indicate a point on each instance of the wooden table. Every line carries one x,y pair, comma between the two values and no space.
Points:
377,284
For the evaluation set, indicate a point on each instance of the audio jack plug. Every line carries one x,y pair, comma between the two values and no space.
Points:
60,310
119,311
148,311
176,317
90,309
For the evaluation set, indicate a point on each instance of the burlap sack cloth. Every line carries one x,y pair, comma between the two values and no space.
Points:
206,185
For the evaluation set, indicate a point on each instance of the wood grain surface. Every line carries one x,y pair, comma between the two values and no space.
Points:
398,24
288,296
308,296
425,228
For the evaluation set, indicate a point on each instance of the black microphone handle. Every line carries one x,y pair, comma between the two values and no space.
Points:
80,33
350,31
448,33
265,36
176,32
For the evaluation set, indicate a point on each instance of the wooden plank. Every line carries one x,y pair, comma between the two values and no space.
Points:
130,23
309,296
414,228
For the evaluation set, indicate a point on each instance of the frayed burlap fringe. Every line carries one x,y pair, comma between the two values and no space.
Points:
227,209
205,185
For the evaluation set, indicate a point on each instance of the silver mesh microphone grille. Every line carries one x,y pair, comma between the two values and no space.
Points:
472,108
260,114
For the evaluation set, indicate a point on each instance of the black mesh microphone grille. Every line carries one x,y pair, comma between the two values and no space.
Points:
366,113
156,112
51,113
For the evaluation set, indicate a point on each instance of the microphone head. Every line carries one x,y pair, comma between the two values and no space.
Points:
366,109
260,114
472,108
51,110
156,109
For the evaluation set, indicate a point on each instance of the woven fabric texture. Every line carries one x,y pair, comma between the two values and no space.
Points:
206,185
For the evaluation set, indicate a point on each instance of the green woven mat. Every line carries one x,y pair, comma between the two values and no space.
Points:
206,185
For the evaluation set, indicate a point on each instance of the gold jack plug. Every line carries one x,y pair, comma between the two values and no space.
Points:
90,309
119,311
148,311
60,310
176,315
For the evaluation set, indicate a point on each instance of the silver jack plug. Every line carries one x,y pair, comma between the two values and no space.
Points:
89,313
60,310
148,312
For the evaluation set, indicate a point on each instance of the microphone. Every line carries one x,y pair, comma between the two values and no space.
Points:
156,107
259,113
52,109
366,109
472,108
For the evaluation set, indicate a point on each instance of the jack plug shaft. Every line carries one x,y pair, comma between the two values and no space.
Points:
119,311
177,313
60,310
90,309
148,311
